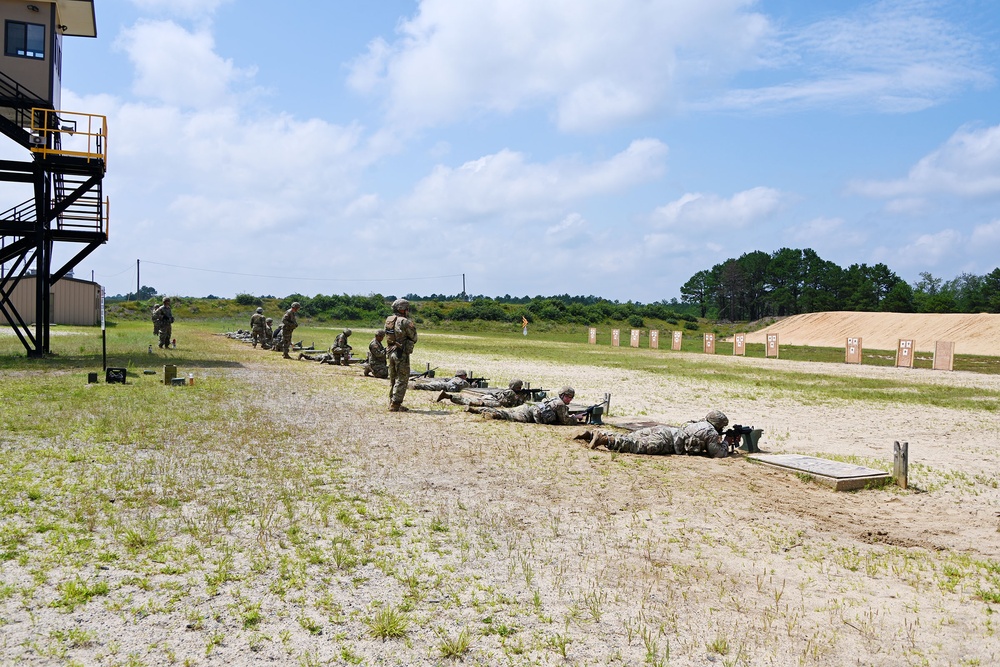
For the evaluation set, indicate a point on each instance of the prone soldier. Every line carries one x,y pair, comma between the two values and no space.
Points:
695,437
511,397
457,383
551,411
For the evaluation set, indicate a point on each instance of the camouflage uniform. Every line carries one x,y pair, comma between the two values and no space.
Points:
257,327
268,334
323,357
163,319
375,363
455,384
552,411
696,437
288,324
508,398
653,440
341,350
401,335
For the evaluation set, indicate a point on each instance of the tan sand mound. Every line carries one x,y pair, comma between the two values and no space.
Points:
972,334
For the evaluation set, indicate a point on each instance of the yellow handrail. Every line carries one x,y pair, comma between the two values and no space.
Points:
80,134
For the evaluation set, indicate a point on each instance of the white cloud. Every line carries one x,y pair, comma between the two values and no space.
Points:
925,251
967,165
181,8
596,63
708,211
893,56
507,184
826,232
986,238
179,67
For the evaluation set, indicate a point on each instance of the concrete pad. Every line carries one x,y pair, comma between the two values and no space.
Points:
839,476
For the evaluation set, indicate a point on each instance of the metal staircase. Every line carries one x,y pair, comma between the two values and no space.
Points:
66,171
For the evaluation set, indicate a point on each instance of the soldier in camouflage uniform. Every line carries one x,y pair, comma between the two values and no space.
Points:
401,336
696,437
552,411
457,383
288,324
375,363
268,334
511,397
163,320
341,351
257,327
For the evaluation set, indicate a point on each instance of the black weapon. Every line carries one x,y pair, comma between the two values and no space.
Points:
593,413
478,383
742,437
535,394
429,373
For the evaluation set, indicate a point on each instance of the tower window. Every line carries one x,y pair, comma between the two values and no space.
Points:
25,40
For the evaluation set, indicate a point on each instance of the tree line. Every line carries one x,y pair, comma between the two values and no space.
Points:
790,281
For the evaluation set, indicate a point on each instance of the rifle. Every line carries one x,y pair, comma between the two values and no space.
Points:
534,394
478,383
747,434
429,373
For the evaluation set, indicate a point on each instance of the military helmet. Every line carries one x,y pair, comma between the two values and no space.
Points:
461,374
296,304
166,299
347,332
400,305
567,391
260,311
717,419
515,384
380,332
269,320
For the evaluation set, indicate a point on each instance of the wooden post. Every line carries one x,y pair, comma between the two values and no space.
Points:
654,339
708,345
771,348
592,336
852,350
675,343
634,338
901,463
944,356
904,353
615,337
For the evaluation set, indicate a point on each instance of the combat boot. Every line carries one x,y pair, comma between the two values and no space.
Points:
586,435
440,397
599,439
398,407
285,356
300,356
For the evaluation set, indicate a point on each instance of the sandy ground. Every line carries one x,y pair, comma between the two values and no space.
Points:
972,334
599,558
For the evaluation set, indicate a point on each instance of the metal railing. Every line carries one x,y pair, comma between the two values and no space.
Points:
72,133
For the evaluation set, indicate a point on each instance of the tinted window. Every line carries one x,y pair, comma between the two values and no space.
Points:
26,40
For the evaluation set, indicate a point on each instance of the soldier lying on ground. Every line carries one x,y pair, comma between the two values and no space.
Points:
552,411
511,397
321,357
457,383
694,437
376,364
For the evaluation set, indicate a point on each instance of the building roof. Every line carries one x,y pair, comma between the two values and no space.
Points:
76,18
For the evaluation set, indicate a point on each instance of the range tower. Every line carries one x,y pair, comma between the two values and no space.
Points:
65,159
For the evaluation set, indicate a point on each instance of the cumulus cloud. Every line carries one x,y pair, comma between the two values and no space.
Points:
967,165
596,64
986,238
925,251
179,67
709,211
508,183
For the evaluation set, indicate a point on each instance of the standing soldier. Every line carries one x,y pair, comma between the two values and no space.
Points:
163,319
341,350
288,324
257,327
375,363
401,336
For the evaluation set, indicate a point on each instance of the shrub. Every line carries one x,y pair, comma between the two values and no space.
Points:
248,300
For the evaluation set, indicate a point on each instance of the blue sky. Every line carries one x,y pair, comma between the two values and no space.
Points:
536,146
